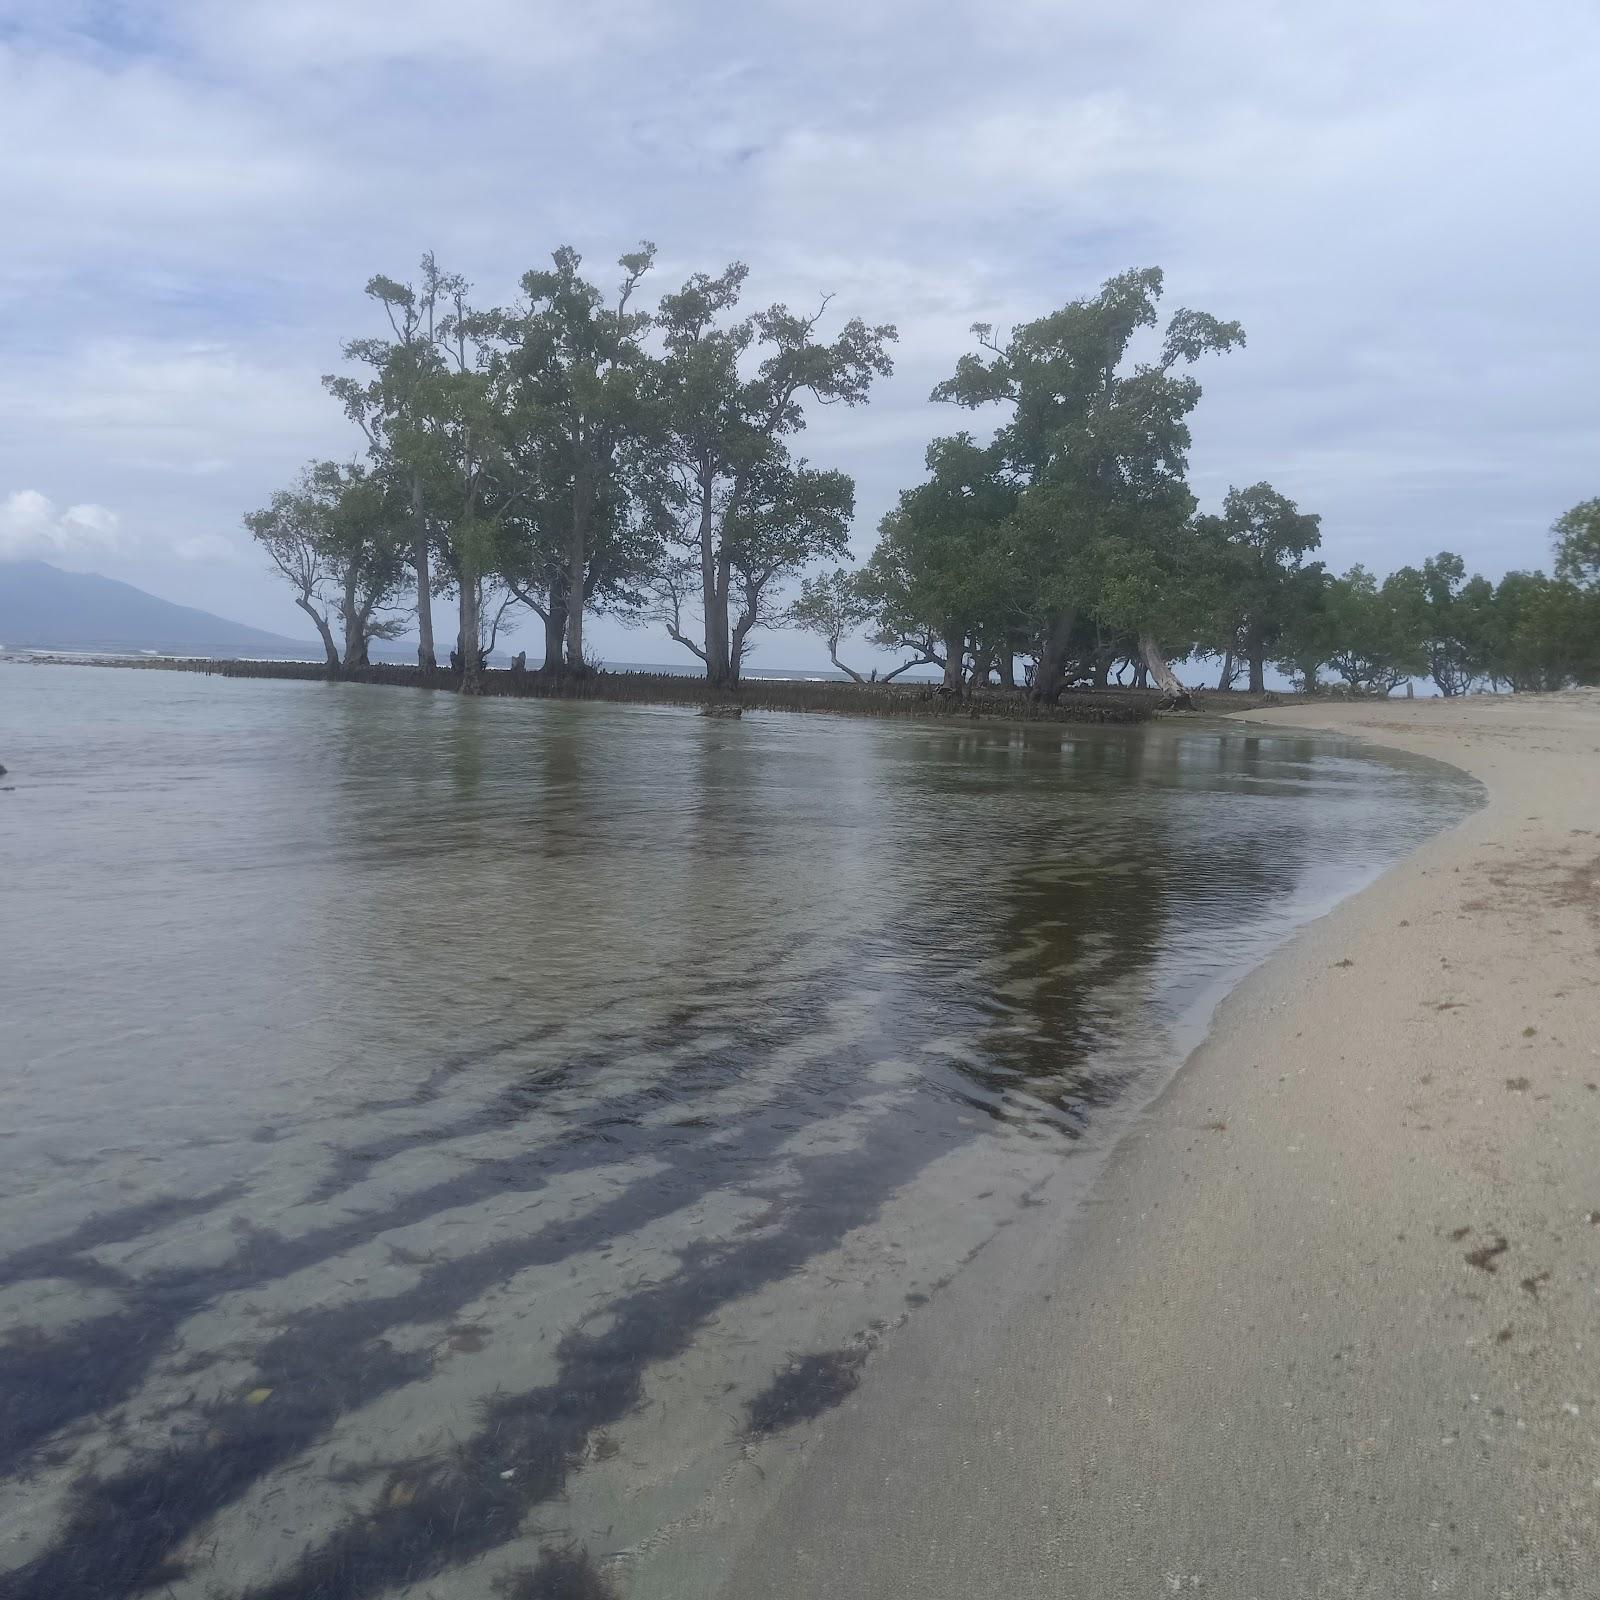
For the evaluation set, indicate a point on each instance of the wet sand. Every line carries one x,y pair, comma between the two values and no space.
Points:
1328,1323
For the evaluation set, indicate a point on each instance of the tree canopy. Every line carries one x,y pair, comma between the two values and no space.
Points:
577,450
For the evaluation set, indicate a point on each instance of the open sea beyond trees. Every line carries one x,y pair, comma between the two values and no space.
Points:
446,1142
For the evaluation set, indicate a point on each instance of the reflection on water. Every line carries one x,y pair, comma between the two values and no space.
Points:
450,1143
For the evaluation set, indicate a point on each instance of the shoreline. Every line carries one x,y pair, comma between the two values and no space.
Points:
906,698
1319,1328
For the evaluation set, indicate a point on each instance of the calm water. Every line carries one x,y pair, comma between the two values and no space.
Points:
448,1141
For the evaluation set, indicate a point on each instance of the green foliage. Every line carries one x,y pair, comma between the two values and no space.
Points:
742,512
391,407
339,537
831,605
1255,562
1529,632
1541,633
945,573
1096,445
1372,635
1453,616
1577,549
579,518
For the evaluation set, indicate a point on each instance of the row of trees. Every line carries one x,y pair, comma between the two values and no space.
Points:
1528,632
575,452
1252,601
1072,539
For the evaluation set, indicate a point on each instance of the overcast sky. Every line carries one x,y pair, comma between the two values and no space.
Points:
1400,201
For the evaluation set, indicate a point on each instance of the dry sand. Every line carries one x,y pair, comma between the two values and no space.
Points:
1329,1324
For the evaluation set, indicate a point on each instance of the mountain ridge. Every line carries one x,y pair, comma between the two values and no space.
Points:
43,607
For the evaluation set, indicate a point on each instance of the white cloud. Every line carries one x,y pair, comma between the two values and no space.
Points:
32,528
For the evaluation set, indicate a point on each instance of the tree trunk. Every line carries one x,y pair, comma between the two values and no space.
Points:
330,649
1053,658
1008,667
471,674
1165,679
555,633
954,640
741,632
721,669
906,666
577,566
716,636
1258,661
355,626
419,559
1225,681
1102,672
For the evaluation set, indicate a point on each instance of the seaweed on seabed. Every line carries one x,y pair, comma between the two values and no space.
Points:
122,1533
565,1572
806,1388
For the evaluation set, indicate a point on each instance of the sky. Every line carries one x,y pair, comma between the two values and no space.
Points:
1400,201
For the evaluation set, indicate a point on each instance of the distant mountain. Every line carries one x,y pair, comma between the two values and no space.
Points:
44,608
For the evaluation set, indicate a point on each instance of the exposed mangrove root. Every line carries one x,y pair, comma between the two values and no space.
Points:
900,699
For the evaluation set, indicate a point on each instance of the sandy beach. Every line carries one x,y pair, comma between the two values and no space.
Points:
1329,1322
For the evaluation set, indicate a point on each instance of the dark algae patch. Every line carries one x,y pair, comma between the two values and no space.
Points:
48,1380
436,1513
564,1573
123,1529
1483,1258
527,1444
67,1256
809,1386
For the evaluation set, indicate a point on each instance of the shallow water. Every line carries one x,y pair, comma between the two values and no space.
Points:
445,1142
